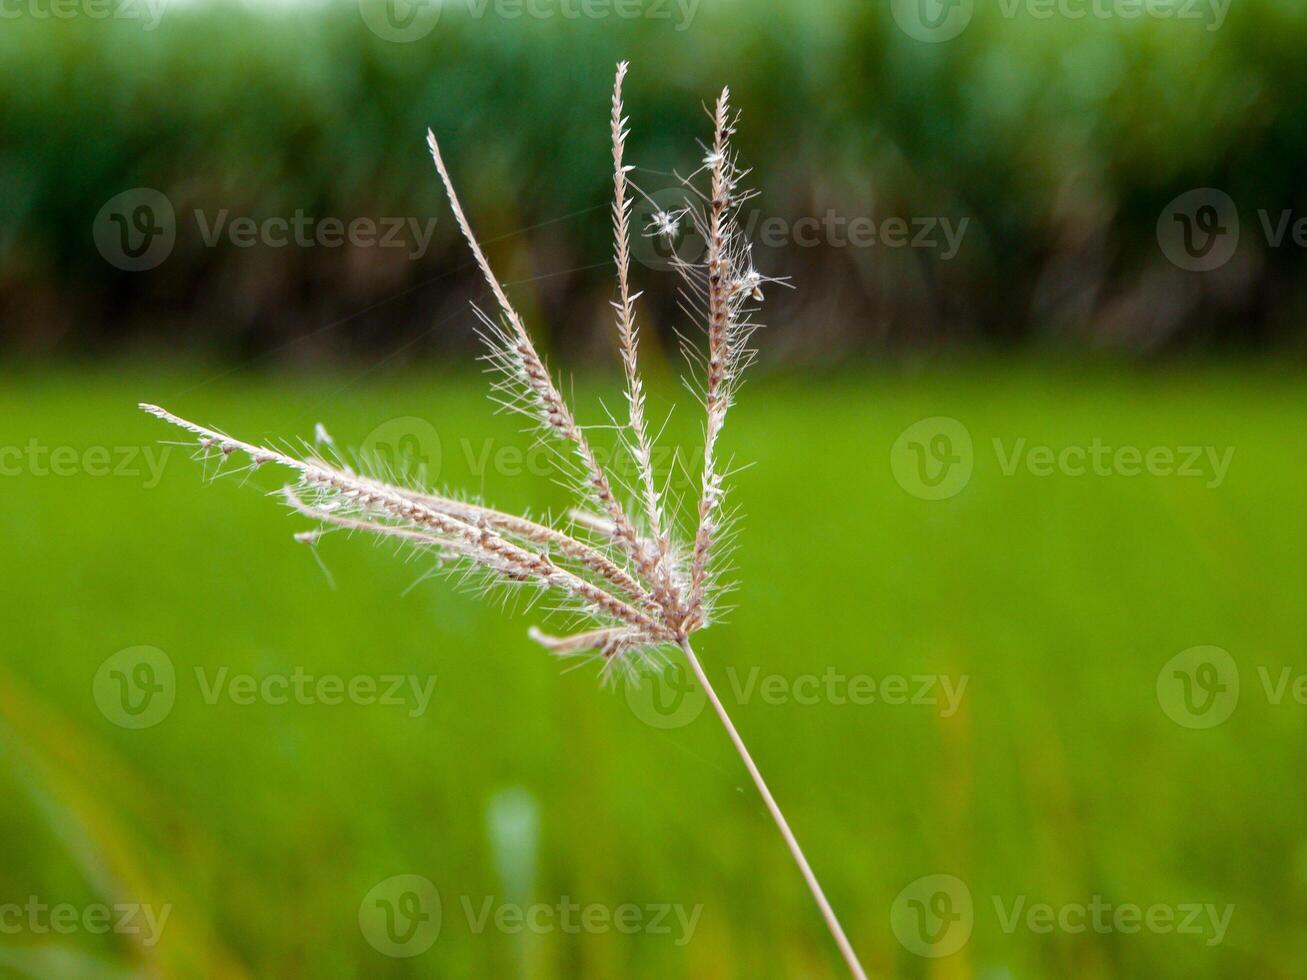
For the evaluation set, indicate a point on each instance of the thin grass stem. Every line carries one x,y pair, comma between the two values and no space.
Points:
828,913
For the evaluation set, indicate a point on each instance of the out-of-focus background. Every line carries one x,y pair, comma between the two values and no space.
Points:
1019,637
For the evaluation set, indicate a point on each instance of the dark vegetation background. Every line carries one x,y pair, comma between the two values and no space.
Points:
1059,139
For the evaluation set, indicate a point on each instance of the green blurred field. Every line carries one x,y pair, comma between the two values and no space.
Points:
1059,779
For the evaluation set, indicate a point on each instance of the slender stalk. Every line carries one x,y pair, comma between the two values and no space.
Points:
832,923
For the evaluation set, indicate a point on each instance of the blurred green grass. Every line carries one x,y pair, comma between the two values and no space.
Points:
1059,779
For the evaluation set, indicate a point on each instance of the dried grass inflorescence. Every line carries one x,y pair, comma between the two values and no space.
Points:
617,564
636,586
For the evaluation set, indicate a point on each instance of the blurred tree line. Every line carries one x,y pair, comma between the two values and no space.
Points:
1000,188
